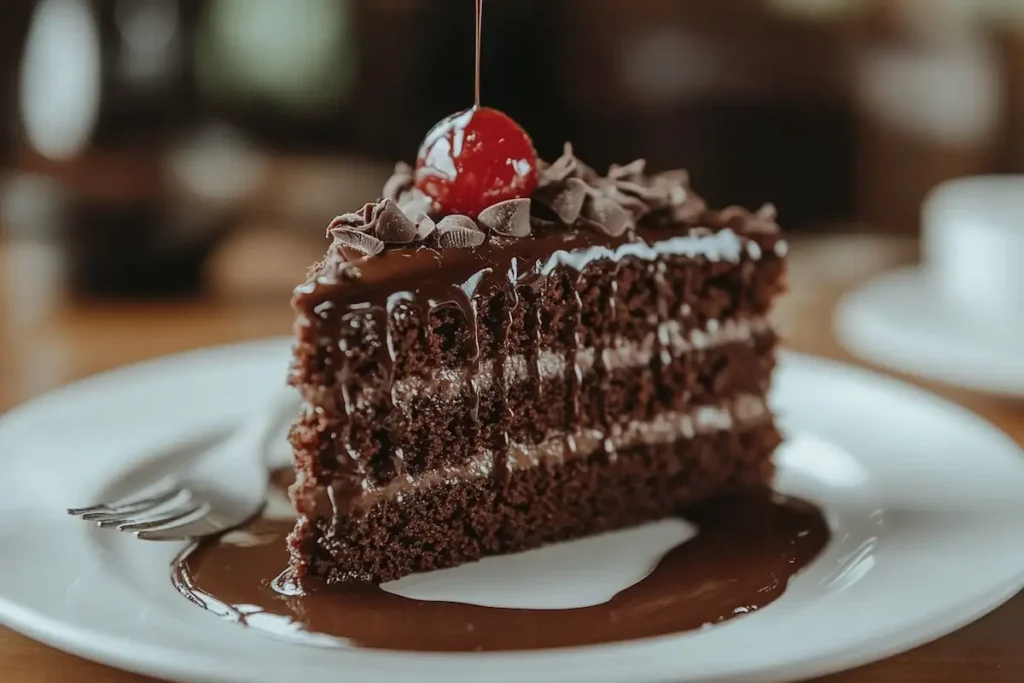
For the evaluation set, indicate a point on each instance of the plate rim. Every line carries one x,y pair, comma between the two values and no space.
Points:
848,323
111,651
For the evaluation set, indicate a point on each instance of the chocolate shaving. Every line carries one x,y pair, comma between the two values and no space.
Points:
689,211
510,218
414,202
561,169
358,220
568,191
367,212
455,222
566,166
360,241
607,216
352,221
645,193
675,186
460,239
425,227
678,178
393,226
733,216
637,206
764,221
630,171
459,232
564,199
633,193
400,188
743,221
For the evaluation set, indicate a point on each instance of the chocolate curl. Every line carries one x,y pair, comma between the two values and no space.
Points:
631,203
459,232
764,222
358,220
631,171
414,202
425,227
391,225
351,221
510,218
607,216
562,168
565,199
362,242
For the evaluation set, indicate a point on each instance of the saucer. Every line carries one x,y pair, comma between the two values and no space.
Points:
922,498
897,321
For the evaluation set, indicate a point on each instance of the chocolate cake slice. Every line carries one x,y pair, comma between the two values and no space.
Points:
587,358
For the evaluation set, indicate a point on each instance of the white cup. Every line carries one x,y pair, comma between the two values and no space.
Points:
973,249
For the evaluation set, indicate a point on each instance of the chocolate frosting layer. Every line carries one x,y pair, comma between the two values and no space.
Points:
571,196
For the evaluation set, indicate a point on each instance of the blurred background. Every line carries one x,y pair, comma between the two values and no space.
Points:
167,167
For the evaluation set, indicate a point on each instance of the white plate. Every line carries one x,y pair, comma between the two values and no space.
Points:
924,500
898,321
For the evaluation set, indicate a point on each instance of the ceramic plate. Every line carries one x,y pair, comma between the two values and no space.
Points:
923,499
898,321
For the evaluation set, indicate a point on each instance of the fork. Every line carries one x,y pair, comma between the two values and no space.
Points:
224,488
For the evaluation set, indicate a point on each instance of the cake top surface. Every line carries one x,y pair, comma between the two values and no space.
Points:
406,243
569,196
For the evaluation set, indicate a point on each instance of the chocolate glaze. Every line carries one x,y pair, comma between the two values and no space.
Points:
747,550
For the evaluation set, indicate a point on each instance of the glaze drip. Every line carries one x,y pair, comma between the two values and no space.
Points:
573,370
509,306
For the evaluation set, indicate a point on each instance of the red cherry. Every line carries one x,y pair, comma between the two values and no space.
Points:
475,159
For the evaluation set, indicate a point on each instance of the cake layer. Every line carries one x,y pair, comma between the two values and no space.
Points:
456,519
554,294
402,374
558,446
450,422
669,338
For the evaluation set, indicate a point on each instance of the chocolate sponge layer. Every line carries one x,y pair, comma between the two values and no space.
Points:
424,374
432,432
461,521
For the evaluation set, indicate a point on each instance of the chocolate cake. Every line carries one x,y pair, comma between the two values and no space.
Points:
588,357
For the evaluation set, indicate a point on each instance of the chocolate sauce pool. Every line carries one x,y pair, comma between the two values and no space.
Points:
742,559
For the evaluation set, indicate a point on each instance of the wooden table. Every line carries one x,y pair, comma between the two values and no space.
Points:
46,341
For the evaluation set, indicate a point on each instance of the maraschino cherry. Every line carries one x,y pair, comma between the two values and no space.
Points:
475,159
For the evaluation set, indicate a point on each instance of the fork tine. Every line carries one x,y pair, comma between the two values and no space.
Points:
127,507
165,519
182,532
138,514
141,508
114,521
108,516
132,519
